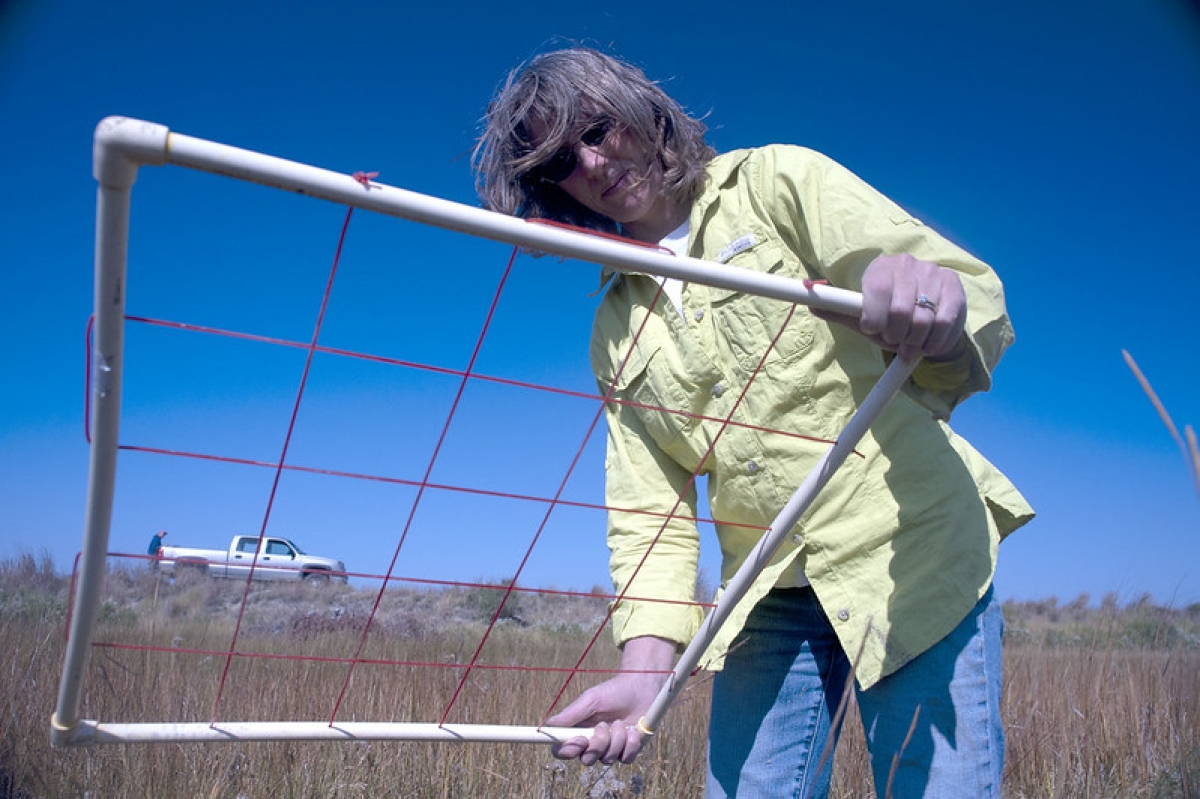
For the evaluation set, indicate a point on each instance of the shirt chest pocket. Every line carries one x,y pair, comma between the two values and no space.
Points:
747,323
651,388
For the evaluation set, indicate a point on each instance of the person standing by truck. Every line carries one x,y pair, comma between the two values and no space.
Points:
155,548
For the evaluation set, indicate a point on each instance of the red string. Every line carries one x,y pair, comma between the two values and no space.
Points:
622,596
331,659
417,483
504,381
282,459
528,552
537,220
425,479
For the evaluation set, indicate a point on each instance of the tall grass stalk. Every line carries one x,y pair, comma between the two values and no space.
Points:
1187,441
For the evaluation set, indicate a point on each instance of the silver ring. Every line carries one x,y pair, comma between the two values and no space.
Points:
924,302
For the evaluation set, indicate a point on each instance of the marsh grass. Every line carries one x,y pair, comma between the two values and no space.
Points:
1099,701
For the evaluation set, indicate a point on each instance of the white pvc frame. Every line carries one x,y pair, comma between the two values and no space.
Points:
123,145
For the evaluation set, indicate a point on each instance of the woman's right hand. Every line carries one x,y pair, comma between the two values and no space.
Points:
614,707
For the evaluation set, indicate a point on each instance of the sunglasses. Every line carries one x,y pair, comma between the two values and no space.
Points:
559,166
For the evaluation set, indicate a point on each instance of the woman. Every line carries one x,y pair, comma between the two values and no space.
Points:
892,566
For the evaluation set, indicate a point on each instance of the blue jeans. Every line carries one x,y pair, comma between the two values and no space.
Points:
774,702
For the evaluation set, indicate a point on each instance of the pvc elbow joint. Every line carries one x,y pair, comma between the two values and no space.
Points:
121,145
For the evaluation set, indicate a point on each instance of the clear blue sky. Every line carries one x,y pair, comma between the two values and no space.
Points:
1058,141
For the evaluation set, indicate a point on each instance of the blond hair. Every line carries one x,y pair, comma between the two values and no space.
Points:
561,93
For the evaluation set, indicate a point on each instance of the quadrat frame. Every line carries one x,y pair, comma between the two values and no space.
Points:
121,147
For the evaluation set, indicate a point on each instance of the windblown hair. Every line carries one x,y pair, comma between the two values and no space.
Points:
561,93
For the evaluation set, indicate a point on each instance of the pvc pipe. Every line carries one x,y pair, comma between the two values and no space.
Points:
90,732
879,397
112,221
147,143
119,146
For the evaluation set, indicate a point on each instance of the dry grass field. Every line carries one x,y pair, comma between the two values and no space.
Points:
1099,701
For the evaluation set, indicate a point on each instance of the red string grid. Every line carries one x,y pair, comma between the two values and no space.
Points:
421,488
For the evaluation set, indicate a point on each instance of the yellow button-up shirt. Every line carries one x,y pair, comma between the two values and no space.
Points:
902,542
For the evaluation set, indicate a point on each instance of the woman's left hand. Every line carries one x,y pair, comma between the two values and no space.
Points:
912,307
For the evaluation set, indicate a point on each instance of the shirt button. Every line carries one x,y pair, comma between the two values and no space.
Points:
752,467
698,314
843,614
797,538
718,390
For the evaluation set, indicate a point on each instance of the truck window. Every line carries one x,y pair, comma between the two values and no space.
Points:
278,548
247,545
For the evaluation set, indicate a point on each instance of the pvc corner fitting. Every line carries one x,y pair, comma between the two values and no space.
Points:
121,145
60,734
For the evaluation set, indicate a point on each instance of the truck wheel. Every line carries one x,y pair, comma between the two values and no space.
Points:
317,578
191,570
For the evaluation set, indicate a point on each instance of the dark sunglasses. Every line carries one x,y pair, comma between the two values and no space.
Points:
559,166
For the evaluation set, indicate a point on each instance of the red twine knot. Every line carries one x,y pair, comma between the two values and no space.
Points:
365,178
809,283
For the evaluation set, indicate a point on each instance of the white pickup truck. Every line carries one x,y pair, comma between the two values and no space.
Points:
278,559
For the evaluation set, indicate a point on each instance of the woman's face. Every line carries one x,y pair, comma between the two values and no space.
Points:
618,178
